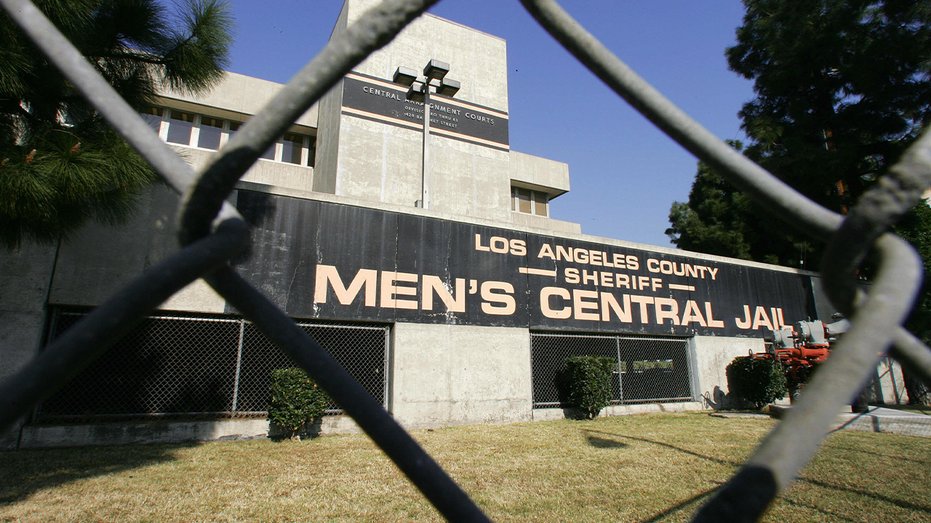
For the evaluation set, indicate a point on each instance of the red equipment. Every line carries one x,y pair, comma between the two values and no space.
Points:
801,346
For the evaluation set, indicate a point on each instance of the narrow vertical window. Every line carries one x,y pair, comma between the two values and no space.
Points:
292,148
269,153
179,127
153,117
210,131
539,203
311,150
523,201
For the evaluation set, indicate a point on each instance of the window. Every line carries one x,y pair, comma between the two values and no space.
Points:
269,153
528,201
153,117
292,149
205,132
210,131
180,126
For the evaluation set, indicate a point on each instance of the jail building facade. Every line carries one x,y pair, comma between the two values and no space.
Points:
440,279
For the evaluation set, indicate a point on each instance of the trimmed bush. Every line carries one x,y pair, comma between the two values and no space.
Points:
296,400
756,382
589,380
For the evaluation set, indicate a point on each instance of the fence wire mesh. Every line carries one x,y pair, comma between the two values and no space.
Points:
211,233
649,369
212,367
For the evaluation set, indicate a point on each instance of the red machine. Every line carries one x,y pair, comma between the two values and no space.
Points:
801,346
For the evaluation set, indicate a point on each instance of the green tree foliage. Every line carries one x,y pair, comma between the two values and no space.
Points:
842,88
916,228
721,220
589,380
60,164
756,382
295,399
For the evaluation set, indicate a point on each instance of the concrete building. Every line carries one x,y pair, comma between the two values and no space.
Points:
450,292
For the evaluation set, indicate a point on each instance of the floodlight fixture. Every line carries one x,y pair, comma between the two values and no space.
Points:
436,69
448,87
416,92
405,76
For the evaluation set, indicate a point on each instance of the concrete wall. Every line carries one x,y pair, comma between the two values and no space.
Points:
476,59
328,126
712,355
450,374
234,96
888,385
44,436
99,260
540,174
548,224
25,275
275,174
382,163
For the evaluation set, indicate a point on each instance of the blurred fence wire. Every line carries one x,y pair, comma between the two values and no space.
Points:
211,232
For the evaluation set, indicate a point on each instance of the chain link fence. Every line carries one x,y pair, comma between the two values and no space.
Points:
211,232
649,369
203,367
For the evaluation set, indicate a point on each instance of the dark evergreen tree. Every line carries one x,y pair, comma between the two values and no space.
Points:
60,164
842,88
721,220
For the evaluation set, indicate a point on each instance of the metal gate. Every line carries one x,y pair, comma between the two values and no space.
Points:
202,366
650,369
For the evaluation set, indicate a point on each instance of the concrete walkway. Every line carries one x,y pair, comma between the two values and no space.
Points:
876,419
889,421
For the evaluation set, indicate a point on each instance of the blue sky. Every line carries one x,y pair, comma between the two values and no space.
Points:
624,173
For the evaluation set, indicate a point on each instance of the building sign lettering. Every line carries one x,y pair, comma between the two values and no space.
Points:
360,264
376,99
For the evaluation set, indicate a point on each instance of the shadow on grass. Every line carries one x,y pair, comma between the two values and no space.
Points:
604,443
692,502
820,510
911,459
667,445
28,471
872,496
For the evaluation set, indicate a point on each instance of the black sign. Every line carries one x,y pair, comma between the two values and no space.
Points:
329,261
374,99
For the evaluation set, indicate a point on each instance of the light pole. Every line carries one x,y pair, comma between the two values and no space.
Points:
434,76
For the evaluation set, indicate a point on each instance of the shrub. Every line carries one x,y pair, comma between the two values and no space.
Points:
296,400
589,380
756,382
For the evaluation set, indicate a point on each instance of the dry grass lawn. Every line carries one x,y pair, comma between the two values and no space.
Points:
636,468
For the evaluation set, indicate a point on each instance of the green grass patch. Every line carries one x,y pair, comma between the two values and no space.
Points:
633,468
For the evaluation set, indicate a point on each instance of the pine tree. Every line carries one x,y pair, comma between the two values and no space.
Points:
60,164
843,87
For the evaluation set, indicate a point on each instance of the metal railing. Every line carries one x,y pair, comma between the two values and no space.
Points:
211,232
